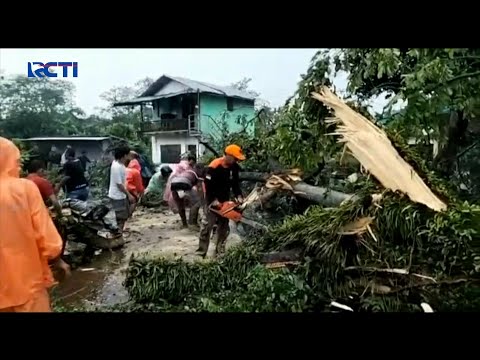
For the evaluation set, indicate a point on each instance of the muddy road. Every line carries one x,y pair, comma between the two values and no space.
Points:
157,232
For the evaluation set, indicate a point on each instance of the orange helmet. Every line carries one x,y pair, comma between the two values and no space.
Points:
235,151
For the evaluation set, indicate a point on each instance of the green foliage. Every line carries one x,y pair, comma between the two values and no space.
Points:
272,291
235,283
431,83
174,280
459,297
388,304
407,235
298,137
99,178
36,107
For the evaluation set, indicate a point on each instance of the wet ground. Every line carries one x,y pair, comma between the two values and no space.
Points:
157,232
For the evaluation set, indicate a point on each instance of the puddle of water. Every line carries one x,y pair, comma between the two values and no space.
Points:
86,286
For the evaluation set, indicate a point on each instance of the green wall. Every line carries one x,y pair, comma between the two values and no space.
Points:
214,106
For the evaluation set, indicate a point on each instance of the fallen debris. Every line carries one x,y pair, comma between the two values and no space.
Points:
376,250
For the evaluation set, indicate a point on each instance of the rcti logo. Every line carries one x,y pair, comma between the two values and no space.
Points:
43,70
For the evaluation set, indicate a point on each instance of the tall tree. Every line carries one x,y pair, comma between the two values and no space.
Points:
122,93
432,82
35,107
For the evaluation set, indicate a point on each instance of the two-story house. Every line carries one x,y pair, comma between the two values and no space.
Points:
185,112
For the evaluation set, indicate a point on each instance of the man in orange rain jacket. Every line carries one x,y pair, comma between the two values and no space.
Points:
28,239
134,180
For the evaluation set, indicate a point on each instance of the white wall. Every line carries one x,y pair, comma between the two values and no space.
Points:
171,139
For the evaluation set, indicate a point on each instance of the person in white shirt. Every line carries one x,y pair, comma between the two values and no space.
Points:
119,196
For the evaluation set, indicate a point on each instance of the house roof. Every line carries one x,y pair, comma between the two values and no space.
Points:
69,138
169,86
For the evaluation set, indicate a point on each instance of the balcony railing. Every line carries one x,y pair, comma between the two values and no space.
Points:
165,125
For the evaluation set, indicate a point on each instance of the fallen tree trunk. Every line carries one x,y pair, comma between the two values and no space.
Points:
254,176
321,195
312,193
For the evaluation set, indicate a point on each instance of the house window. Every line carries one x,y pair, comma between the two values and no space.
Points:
170,154
230,104
192,149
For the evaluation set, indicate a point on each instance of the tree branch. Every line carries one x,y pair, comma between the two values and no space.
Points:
455,78
468,149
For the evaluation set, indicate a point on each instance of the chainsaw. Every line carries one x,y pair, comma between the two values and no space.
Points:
229,210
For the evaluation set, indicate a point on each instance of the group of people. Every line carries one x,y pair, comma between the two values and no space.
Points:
208,187
31,246
74,182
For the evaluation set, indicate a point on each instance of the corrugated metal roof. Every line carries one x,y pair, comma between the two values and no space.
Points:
69,138
138,100
211,88
154,91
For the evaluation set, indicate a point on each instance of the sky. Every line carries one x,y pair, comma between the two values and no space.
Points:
274,72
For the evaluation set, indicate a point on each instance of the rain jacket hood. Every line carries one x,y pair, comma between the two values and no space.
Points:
29,237
9,159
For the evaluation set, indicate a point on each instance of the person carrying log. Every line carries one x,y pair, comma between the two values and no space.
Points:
29,244
222,177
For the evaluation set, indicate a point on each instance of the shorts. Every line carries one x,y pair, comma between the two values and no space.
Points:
180,186
121,208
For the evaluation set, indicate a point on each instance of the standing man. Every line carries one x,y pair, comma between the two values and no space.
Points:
117,191
222,175
29,240
74,178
